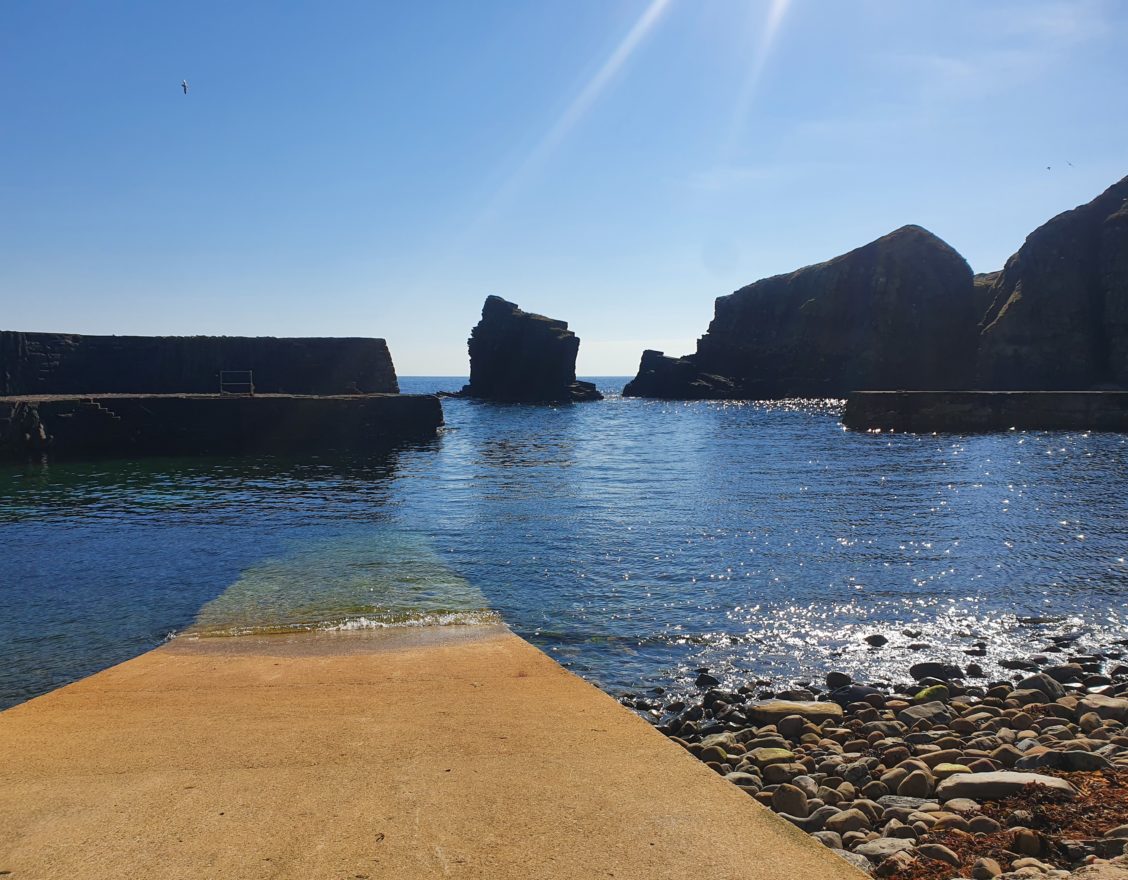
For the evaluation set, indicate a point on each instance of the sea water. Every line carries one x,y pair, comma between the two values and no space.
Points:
635,541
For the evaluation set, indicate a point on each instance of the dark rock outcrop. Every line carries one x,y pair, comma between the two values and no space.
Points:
520,357
66,363
905,313
677,379
896,313
1059,312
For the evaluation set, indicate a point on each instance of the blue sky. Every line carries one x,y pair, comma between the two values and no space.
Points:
378,169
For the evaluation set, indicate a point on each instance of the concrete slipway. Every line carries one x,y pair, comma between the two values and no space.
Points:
449,752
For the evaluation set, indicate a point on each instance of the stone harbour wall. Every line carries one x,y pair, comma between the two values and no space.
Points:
63,363
169,424
971,411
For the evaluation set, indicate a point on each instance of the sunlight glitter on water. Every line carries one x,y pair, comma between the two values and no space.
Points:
633,540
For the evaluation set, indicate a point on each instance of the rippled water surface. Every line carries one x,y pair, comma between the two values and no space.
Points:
636,541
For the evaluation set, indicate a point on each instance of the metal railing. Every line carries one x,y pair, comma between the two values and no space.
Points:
237,382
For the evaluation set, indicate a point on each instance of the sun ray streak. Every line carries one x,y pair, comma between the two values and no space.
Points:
768,34
579,106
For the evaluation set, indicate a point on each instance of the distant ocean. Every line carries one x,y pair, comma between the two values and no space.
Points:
634,541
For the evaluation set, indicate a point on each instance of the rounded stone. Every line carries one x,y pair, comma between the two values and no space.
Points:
791,726
744,780
808,785
883,847
951,822
940,853
851,839
765,756
1028,862
916,784
943,771
983,825
985,869
847,820
776,773
1027,842
942,671
962,805
791,800
936,692
906,832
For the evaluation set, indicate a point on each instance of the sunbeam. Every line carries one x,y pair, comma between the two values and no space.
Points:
768,31
579,106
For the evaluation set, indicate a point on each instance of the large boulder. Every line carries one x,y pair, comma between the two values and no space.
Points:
998,785
1044,684
520,357
898,312
935,669
1115,708
1058,319
773,711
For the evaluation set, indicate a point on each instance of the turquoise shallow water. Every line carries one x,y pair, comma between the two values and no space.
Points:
635,541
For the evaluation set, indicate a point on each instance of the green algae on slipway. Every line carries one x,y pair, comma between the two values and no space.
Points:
367,580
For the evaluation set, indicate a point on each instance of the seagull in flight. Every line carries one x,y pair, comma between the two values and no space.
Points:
184,85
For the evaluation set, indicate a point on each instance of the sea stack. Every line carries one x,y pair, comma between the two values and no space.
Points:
898,312
519,357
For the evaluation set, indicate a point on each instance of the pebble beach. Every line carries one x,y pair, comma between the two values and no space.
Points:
939,774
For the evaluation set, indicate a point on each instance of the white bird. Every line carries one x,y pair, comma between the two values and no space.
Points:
184,85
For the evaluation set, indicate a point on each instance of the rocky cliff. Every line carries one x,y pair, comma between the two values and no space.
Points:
62,363
517,356
905,312
898,312
1059,312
